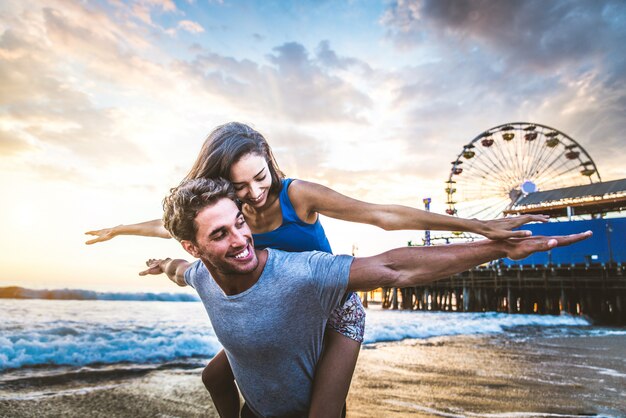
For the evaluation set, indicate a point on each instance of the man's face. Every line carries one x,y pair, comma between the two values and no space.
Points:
224,240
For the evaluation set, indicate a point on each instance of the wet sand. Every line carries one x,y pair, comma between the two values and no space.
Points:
481,376
492,376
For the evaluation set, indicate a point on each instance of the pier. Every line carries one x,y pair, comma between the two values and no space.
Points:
595,291
587,279
528,168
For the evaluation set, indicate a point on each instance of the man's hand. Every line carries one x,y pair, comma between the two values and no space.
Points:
102,234
497,229
155,266
519,248
174,269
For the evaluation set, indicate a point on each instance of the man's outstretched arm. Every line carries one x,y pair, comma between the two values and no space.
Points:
414,266
174,269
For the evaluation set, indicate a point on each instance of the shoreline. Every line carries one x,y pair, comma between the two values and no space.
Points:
461,376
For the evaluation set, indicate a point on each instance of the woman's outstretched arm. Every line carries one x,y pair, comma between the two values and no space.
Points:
146,229
311,198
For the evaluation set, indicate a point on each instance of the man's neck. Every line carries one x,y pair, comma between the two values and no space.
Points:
235,283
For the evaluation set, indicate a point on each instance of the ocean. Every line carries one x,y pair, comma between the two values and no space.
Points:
120,328
51,340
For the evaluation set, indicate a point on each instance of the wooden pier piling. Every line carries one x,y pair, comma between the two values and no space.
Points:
596,291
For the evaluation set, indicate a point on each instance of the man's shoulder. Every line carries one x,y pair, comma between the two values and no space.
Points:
274,254
285,261
195,269
195,266
281,262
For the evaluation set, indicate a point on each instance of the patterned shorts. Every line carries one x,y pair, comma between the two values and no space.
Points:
349,318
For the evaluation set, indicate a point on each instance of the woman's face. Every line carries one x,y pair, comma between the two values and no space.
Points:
251,178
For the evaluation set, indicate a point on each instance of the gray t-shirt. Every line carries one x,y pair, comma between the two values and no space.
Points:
272,333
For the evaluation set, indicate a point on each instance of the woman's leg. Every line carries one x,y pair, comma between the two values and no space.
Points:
219,380
333,374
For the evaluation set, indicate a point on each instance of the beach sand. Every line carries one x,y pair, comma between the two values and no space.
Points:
483,376
470,376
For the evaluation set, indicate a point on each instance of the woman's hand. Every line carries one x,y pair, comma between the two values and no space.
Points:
498,229
103,234
145,229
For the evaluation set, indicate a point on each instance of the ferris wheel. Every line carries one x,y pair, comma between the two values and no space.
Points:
512,160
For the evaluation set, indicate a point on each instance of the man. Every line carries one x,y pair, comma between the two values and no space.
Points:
269,308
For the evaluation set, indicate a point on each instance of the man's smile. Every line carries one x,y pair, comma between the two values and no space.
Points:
243,254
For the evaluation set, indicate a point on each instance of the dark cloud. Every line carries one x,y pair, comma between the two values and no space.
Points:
457,96
490,62
329,58
293,85
292,61
523,33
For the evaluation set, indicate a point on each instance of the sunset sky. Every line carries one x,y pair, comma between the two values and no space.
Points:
104,106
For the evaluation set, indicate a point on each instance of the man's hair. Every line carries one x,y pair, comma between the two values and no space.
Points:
181,207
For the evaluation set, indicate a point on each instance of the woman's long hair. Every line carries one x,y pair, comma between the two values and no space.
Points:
225,145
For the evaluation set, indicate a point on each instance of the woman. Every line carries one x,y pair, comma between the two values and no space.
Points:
284,214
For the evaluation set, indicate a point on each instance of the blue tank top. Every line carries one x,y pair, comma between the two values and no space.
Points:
293,234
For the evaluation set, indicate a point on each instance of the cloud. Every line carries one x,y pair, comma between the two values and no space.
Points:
99,48
57,172
444,113
12,143
293,85
299,154
482,63
43,99
70,66
142,9
329,58
191,27
523,33
165,5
